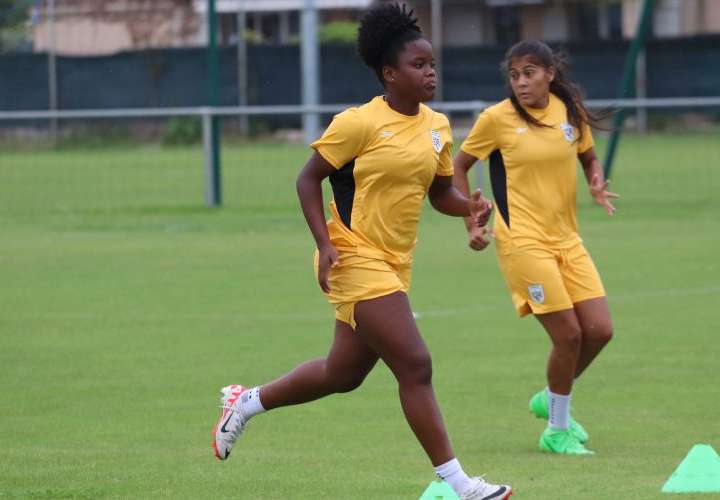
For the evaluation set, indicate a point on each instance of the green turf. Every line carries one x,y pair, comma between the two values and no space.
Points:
126,305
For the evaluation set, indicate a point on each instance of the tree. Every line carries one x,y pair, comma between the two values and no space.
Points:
14,15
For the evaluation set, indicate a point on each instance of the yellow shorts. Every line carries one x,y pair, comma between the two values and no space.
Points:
357,278
544,280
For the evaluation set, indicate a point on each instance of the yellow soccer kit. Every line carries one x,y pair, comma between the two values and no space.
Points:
533,173
385,162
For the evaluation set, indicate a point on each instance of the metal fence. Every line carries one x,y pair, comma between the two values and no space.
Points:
212,178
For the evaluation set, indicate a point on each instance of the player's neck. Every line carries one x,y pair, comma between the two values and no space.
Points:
541,103
404,106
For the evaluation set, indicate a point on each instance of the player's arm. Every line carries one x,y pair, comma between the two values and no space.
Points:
596,180
462,163
309,189
446,199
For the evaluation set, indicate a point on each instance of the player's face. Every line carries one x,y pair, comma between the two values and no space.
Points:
414,74
530,82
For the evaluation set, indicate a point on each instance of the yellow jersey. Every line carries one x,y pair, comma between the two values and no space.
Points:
533,172
385,162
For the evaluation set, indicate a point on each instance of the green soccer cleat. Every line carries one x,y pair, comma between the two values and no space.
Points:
562,442
539,407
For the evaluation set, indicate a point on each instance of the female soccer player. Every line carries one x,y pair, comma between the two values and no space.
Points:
533,140
382,159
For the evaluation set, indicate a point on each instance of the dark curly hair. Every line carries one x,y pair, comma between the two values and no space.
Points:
567,90
383,32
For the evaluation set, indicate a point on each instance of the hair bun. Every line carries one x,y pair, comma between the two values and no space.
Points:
380,28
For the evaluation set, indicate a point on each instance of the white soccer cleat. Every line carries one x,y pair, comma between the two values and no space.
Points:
483,490
231,423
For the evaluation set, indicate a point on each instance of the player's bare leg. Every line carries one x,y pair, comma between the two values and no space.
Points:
387,324
565,333
597,330
344,369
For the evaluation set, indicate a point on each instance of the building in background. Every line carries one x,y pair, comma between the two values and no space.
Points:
85,27
675,18
490,22
277,21
503,22
94,27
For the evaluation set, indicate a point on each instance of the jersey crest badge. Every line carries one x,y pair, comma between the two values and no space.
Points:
537,293
568,131
437,143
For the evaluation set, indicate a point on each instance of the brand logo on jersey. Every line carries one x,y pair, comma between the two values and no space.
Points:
537,293
385,134
437,143
568,131
521,130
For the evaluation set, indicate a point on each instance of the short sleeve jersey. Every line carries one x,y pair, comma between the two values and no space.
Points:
533,171
385,162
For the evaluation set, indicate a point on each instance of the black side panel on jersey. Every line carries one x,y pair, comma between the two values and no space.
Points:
343,186
498,180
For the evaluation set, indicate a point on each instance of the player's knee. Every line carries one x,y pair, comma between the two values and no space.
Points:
571,338
602,333
417,369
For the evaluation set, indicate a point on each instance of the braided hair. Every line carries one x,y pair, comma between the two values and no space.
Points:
565,89
384,31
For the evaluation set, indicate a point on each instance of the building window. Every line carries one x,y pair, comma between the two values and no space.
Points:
614,15
585,22
507,25
590,22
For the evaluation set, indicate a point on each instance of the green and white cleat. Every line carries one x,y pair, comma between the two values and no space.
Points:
539,407
562,442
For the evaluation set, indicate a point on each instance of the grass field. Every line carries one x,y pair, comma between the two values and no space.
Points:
126,305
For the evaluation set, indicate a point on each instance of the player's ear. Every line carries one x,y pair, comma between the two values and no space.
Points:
551,74
388,74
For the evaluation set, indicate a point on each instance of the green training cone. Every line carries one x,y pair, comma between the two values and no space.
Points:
439,491
699,472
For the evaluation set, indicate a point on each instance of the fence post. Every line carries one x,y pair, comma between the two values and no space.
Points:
242,57
628,76
641,114
212,178
52,69
437,41
310,69
212,139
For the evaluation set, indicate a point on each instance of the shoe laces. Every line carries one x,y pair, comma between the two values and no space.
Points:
236,419
480,490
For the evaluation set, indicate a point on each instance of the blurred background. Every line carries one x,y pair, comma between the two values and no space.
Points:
115,54
152,249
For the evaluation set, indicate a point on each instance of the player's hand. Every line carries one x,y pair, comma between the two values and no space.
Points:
479,238
328,258
480,208
599,192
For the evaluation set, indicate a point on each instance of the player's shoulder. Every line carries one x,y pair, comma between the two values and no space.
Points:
372,109
350,114
438,119
355,117
500,110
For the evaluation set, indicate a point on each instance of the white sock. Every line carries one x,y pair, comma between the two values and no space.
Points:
250,403
452,473
558,410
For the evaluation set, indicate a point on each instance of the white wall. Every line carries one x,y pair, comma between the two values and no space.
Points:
555,23
464,25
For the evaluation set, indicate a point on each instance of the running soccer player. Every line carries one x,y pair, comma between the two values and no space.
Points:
382,159
533,140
